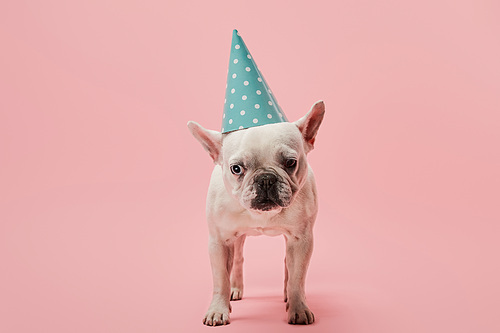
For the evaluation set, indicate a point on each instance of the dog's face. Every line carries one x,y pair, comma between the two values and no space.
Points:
264,167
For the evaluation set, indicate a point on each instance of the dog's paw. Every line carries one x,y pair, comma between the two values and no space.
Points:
300,315
216,318
236,294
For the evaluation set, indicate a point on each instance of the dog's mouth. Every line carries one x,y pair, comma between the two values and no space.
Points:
271,193
264,204
267,202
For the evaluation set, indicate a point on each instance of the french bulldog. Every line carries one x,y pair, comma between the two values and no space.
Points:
261,184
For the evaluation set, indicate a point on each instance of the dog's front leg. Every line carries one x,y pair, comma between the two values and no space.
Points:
221,259
298,254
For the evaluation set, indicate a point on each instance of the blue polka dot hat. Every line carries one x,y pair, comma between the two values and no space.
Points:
249,101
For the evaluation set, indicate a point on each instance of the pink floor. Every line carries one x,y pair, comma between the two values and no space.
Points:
117,258
102,187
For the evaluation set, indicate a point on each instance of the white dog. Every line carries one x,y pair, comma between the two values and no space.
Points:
261,184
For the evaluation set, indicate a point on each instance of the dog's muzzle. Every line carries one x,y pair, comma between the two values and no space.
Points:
267,192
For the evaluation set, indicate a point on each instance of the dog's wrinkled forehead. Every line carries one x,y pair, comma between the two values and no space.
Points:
258,145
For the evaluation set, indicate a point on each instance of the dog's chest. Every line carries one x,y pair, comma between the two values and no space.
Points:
256,227
264,231
233,224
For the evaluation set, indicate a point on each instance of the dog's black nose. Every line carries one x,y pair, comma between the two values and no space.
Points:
266,180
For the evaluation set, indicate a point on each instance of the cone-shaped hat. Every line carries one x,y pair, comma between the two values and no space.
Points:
249,101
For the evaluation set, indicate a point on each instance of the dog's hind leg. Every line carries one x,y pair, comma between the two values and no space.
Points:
237,271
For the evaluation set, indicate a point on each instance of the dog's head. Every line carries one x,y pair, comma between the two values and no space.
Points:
263,167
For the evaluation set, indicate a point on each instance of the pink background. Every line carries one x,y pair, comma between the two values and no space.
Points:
102,187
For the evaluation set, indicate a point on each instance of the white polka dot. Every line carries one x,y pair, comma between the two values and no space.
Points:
223,116
269,115
231,106
258,92
234,77
235,61
247,69
241,127
233,90
270,103
279,114
270,91
230,121
255,120
225,101
242,112
257,106
259,79
244,97
238,33
245,83
222,129
249,56
237,46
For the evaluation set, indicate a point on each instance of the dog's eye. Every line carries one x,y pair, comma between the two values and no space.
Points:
290,163
236,169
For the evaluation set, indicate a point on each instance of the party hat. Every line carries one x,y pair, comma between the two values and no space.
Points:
249,101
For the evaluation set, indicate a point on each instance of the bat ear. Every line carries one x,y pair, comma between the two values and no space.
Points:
309,124
210,140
